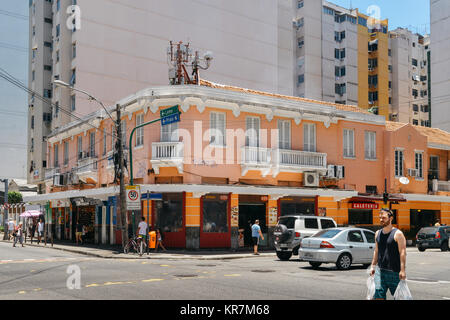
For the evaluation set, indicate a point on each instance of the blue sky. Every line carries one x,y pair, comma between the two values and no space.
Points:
13,102
411,14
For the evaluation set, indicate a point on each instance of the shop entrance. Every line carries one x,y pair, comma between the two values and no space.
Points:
169,216
215,231
248,213
423,218
86,216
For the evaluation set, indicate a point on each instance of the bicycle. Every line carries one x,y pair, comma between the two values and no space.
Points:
137,244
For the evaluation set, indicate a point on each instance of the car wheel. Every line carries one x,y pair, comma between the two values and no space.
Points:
315,265
421,249
284,255
444,246
344,261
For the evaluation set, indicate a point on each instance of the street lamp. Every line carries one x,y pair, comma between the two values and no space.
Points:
119,147
60,83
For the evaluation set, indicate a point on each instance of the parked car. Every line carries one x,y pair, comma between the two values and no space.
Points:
291,229
433,237
342,246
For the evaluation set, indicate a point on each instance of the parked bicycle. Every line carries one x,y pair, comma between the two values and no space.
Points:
136,244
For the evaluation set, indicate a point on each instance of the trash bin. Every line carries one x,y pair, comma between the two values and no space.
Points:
152,239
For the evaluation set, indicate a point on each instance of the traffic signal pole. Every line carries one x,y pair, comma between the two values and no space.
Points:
5,216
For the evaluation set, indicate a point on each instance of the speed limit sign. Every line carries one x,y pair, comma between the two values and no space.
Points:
133,198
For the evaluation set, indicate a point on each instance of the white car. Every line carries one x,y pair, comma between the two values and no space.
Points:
342,246
291,229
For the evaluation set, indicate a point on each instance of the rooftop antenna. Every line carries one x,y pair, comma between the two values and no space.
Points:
180,58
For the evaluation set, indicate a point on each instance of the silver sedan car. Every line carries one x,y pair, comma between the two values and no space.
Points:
342,246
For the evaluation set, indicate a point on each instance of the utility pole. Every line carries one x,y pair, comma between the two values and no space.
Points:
119,150
5,216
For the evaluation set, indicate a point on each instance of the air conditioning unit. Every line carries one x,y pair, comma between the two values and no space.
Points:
311,179
340,172
331,171
58,180
412,172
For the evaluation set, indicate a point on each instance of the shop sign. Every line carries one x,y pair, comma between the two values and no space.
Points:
133,196
264,198
59,204
367,206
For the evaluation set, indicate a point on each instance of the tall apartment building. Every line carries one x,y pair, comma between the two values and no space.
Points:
341,56
440,63
40,78
121,48
410,77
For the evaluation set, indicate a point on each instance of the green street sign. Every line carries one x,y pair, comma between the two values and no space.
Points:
168,112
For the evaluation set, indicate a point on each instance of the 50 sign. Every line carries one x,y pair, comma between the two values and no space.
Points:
133,198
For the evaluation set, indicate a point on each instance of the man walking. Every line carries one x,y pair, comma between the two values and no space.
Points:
389,255
256,233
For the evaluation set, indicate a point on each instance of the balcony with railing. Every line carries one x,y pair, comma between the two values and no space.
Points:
167,154
256,158
87,168
297,161
50,173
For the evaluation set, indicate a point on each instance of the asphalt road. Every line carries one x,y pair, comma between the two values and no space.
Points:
44,273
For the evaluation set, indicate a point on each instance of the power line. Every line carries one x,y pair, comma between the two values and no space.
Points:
14,15
13,47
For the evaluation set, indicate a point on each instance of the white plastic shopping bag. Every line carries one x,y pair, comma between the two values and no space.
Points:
370,284
402,292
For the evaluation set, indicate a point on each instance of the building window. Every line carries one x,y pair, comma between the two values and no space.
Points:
72,102
301,42
66,153
55,156
399,163
74,50
349,143
419,165
300,4
32,122
217,128
57,56
362,21
169,133
215,213
140,131
58,5
284,134
80,147
48,93
58,30
92,145
340,88
73,79
434,168
339,71
339,53
301,79
370,145
104,141
252,132
309,137
329,11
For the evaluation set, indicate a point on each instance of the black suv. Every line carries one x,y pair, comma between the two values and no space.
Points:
433,237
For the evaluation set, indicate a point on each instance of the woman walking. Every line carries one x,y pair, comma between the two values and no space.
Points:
19,235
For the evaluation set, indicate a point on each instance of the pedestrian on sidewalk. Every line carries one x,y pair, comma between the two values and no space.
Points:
389,255
40,228
11,229
256,234
79,232
159,240
19,235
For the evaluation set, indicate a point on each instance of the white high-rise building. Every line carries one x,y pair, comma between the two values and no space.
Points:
440,64
121,48
410,78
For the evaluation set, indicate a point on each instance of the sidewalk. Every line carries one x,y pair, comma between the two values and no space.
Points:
115,252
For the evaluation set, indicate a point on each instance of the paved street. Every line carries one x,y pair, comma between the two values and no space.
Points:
41,273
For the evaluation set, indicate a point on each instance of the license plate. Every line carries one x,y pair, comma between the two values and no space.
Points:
283,245
308,255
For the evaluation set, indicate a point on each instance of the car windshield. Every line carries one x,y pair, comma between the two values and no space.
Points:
327,233
289,222
428,230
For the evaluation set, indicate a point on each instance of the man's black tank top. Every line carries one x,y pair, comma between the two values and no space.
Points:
388,254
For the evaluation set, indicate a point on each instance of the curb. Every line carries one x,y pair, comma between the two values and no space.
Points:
151,255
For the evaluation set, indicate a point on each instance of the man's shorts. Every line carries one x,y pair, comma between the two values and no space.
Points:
255,241
384,280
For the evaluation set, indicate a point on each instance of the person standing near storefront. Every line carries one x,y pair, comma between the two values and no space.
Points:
79,232
389,255
256,234
19,235
40,228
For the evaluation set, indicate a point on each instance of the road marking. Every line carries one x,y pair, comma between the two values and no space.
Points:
152,280
232,275
445,298
22,292
92,285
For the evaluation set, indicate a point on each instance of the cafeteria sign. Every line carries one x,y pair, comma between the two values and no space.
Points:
367,206
133,198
